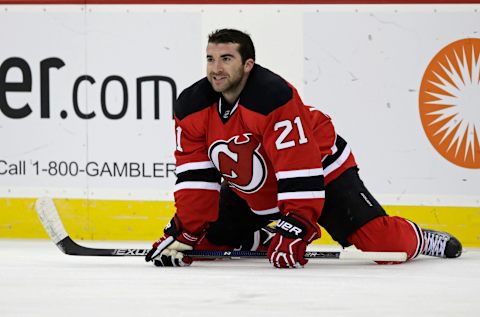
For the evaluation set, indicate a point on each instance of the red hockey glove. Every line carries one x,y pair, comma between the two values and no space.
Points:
293,234
167,251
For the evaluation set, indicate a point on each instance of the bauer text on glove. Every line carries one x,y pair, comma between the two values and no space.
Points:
293,234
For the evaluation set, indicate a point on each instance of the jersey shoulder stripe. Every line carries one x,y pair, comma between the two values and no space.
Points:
265,91
197,97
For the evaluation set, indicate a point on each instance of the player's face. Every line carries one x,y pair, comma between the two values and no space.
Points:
225,70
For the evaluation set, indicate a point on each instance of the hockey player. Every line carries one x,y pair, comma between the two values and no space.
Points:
280,161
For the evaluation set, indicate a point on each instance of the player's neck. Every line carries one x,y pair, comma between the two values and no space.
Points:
230,98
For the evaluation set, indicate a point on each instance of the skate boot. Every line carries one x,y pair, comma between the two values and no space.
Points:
441,244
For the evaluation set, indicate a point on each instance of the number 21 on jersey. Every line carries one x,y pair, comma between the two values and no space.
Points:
286,127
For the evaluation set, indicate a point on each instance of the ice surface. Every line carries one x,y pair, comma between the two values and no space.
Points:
36,279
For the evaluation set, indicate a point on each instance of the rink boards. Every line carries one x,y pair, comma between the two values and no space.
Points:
145,220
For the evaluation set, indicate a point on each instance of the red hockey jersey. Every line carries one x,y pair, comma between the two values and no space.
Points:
275,152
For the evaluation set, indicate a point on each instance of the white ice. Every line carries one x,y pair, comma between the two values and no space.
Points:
36,279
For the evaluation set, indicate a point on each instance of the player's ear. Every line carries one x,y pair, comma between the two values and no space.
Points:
247,67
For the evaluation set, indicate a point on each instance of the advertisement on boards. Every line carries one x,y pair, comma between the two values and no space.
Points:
404,89
86,100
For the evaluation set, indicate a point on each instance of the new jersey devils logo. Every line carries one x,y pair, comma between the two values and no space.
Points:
240,162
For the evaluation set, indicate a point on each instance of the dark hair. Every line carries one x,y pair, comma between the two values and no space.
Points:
246,48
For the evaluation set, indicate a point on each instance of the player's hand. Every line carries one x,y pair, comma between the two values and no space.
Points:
167,251
293,234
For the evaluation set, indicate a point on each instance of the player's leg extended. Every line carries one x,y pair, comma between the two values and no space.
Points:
353,216
237,227
395,234
387,233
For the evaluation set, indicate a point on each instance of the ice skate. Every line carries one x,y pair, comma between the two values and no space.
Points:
441,244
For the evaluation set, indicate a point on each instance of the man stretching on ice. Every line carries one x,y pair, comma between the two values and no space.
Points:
280,160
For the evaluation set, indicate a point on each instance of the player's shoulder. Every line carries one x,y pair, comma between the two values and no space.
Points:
265,91
197,97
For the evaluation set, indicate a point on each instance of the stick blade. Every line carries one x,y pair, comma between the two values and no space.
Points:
47,212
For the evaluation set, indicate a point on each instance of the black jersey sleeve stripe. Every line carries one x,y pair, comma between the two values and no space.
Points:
340,143
301,184
209,175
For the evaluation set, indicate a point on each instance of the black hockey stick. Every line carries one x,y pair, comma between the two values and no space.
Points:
47,212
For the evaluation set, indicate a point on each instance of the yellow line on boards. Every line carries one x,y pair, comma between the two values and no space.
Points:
144,220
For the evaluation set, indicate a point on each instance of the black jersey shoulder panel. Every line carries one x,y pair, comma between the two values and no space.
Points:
197,97
265,91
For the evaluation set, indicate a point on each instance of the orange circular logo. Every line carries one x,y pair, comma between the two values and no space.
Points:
450,102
